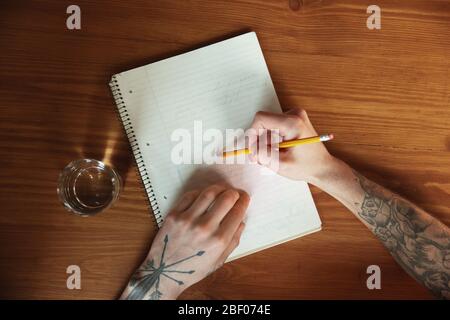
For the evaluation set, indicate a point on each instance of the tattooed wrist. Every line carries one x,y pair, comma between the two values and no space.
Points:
155,281
139,287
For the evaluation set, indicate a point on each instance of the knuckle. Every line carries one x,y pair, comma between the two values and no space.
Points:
244,197
169,219
297,117
184,218
303,116
230,196
259,118
202,229
212,190
259,114
208,195
297,111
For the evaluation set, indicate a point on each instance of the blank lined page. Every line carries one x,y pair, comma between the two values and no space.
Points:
222,85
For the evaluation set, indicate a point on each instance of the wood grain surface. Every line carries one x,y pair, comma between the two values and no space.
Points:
383,93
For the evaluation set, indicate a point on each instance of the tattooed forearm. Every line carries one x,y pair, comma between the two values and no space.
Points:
145,283
418,242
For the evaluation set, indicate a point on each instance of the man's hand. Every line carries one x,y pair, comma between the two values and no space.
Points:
416,240
300,163
196,238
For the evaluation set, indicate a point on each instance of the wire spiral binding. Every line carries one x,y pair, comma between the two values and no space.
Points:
128,126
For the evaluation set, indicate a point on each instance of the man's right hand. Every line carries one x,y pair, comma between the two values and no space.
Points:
306,162
416,240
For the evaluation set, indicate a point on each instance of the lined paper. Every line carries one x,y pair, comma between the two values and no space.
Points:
223,85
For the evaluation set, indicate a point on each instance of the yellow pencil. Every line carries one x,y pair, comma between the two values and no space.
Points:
284,144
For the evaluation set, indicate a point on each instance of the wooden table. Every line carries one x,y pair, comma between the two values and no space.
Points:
384,93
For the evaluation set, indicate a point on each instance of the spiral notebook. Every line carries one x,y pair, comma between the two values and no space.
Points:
221,85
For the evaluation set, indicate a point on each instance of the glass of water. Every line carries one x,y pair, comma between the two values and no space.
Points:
88,186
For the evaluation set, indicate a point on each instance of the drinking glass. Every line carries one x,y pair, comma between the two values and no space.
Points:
87,187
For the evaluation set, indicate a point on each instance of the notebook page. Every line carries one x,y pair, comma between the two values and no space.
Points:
223,85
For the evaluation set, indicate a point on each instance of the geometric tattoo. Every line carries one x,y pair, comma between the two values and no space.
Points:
149,276
419,243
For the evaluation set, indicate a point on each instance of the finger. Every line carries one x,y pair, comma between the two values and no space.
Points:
204,200
251,135
287,124
233,245
234,217
263,152
275,137
266,153
252,144
186,201
303,115
295,110
271,161
223,204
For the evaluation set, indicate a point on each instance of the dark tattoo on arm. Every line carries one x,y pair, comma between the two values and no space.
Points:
418,242
148,277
